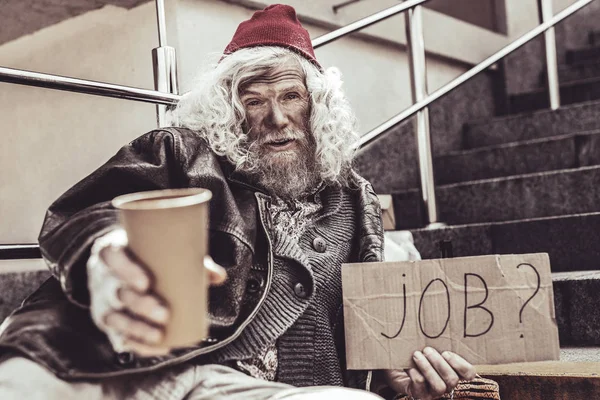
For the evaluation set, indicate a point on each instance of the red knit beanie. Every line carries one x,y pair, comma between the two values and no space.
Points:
276,25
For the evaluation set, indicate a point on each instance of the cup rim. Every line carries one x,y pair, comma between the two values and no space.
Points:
187,197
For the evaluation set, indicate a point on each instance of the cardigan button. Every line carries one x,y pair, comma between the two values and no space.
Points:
320,245
300,291
125,358
254,285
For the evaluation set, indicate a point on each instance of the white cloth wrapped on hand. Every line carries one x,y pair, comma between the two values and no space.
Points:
104,286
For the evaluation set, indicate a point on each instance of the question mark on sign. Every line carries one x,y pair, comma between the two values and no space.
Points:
537,289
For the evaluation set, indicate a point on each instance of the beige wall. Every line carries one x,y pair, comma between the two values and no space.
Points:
52,139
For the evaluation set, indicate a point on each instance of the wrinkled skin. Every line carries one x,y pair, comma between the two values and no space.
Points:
434,374
277,106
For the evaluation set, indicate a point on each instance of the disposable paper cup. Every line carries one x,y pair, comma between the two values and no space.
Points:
167,231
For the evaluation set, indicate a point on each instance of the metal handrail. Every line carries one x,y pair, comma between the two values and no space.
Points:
37,79
336,7
164,64
161,23
418,106
365,22
19,251
417,63
545,13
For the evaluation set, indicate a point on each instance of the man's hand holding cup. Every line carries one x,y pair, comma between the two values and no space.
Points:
149,281
123,304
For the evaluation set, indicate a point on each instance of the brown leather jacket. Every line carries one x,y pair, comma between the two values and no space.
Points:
53,326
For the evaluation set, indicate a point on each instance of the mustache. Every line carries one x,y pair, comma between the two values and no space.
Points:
288,133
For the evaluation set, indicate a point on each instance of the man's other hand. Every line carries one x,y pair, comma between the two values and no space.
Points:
434,374
122,302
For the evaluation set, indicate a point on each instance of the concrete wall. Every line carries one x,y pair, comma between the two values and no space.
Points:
52,139
488,14
522,15
523,67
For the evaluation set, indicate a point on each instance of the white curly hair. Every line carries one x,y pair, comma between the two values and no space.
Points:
214,110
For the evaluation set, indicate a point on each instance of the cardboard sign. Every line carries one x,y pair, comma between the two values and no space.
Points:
489,309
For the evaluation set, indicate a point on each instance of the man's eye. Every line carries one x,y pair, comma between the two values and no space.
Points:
292,96
252,103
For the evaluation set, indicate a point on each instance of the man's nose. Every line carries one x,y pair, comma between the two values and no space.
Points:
277,117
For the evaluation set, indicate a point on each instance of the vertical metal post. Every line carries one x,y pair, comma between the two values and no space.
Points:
164,59
546,13
161,21
418,81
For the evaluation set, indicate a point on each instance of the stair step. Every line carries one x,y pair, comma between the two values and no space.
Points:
579,354
19,278
570,93
544,123
573,72
556,380
571,241
576,304
587,54
541,194
536,155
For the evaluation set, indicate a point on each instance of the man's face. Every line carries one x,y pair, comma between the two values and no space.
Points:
277,106
277,109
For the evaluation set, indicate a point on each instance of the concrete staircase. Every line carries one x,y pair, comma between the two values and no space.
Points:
579,77
524,182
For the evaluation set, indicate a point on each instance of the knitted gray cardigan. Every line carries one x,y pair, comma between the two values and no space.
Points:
308,329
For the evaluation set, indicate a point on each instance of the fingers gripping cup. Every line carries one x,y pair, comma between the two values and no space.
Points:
167,231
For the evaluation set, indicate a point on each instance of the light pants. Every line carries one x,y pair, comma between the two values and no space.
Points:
21,378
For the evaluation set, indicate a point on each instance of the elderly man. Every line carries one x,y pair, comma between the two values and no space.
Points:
270,133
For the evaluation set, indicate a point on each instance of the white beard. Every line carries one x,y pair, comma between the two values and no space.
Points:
288,174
